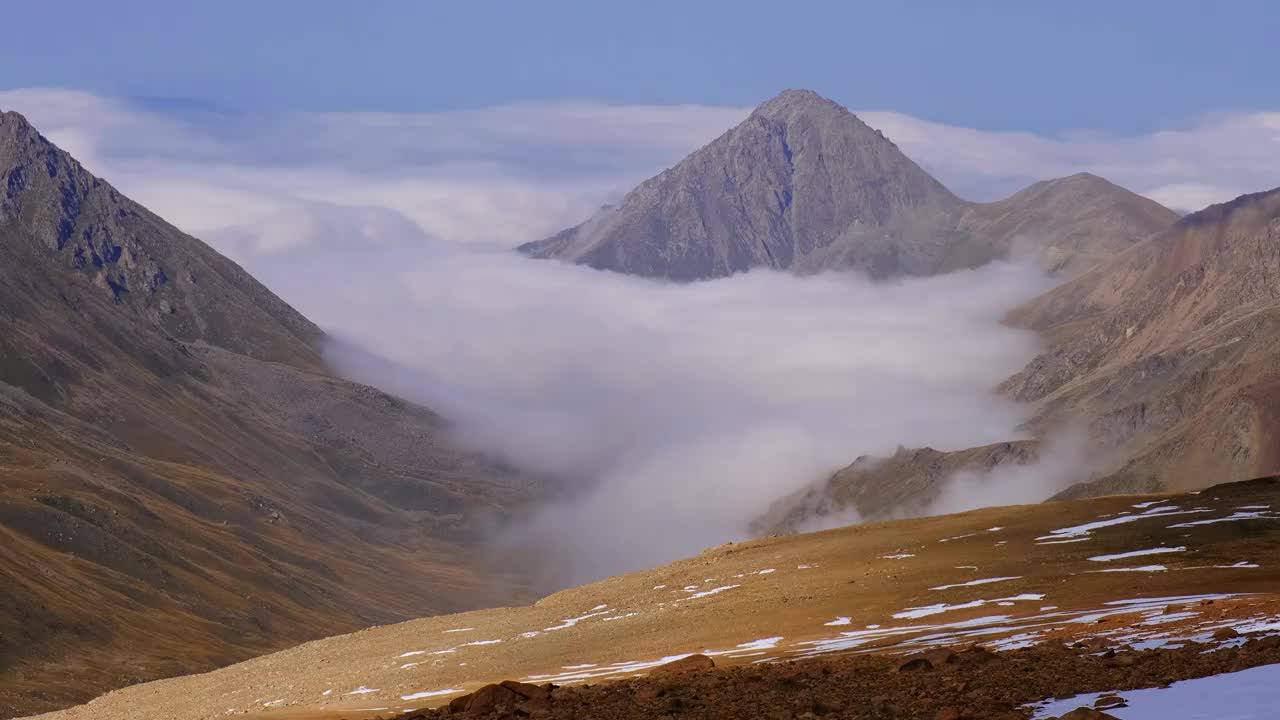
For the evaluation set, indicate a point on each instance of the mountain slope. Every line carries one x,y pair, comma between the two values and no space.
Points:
1068,225
1165,356
1001,578
804,185
1169,351
182,484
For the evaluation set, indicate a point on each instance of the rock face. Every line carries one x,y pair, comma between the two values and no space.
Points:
182,483
804,185
150,270
801,184
1167,352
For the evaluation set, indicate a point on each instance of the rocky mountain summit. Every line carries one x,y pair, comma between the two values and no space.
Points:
804,185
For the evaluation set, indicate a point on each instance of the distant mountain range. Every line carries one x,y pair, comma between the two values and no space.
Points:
804,185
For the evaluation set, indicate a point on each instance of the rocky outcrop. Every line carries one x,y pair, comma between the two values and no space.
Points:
902,485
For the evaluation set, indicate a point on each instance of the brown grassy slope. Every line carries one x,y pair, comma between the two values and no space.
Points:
181,483
867,573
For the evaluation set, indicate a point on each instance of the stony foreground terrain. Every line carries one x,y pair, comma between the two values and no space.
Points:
1117,572
941,684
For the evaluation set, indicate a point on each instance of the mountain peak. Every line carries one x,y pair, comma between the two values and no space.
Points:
15,131
790,102
802,184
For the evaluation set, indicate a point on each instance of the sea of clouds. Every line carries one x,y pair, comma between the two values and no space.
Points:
669,415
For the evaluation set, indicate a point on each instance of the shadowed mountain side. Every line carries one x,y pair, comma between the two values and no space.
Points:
182,484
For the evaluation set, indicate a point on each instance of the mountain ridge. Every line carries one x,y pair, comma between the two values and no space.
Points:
183,483
805,185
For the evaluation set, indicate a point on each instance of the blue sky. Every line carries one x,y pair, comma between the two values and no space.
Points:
1044,67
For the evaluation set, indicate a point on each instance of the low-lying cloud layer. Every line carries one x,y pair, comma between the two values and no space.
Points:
671,414
678,412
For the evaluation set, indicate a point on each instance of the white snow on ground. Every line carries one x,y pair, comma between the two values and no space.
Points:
842,620
1233,517
712,591
1252,694
460,630
927,610
995,529
1144,568
898,556
1079,531
622,668
430,693
480,642
765,571
805,567
1138,553
762,644
362,690
611,618
584,666
1064,542
570,622
1147,504
411,653
983,581
957,537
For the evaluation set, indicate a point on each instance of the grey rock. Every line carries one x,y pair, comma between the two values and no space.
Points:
804,185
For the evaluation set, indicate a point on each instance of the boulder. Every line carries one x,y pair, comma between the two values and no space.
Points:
915,663
1087,713
486,700
1225,633
687,664
941,656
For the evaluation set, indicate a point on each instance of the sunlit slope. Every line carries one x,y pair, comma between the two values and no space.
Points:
1004,577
